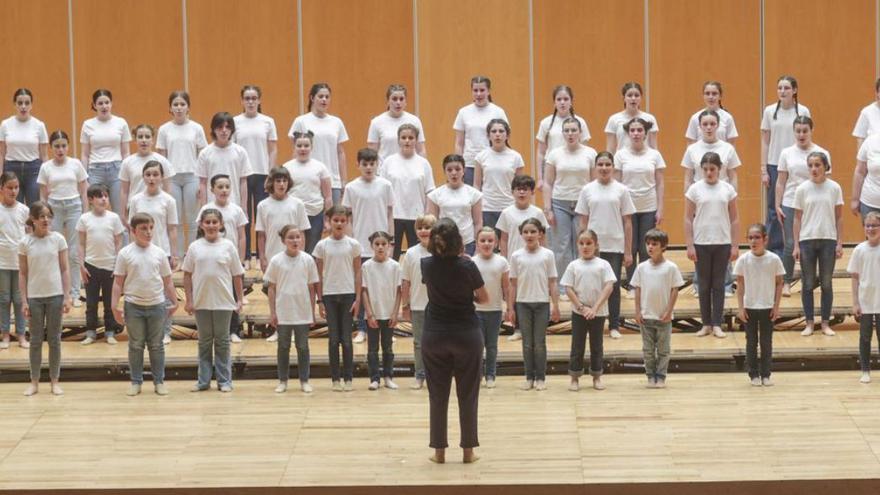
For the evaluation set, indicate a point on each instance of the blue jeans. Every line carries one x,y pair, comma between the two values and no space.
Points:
45,325
256,192
144,325
865,209
418,326
66,214
213,328
581,329
10,295
469,176
185,190
374,335
868,325
490,219
301,336
336,194
819,251
563,240
338,309
27,173
641,223
788,243
490,324
656,337
313,235
470,248
533,319
774,229
108,174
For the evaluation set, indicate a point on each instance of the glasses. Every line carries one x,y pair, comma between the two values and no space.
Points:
872,226
754,237
251,98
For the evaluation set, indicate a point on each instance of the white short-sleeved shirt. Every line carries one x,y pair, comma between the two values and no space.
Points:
532,271
498,170
163,209
865,260
869,153
143,269
182,142
726,126
44,272
231,160
492,270
132,171
382,281
572,170
693,155
868,122
337,256
759,275
273,215
456,204
712,219
817,202
212,265
794,161
329,134
552,136
383,131
254,134
587,278
411,271
369,203
233,219
781,128
105,138
23,138
101,232
618,120
606,205
306,183
411,181
62,180
637,173
510,220
12,229
656,283
472,120
292,276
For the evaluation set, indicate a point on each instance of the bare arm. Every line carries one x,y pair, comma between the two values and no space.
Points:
733,213
502,244
115,294
838,223
273,315
44,193
327,192
540,153
170,294
796,234
661,188
458,145
432,208
188,291
85,151
421,149
242,192
690,210
63,265
261,250
781,181
765,150
124,150
857,308
688,178
124,187
343,168
611,142
478,176
858,181
733,178
272,148
83,187
652,139
477,216
203,191
627,240
242,255
172,242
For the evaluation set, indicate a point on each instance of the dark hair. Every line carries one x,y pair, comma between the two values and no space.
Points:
794,87
572,120
287,228
337,210
97,191
717,84
277,173
183,95
217,177
153,164
657,235
22,92
251,87
209,211
140,218
711,158
6,177
380,234
483,80
504,124
708,113
59,134
304,135
532,221
605,154
452,157
556,91
821,156
142,126
628,86
638,120
36,209
877,86
219,119
759,227
522,181
408,127
313,92
803,120
392,88
99,93
445,239
367,155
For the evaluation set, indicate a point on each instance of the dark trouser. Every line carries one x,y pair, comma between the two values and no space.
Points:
641,223
759,328
301,336
313,235
616,262
490,219
256,192
490,325
27,173
235,321
338,308
447,355
865,209
775,242
469,176
470,248
868,324
788,244
711,265
532,320
100,287
385,332
361,319
821,252
580,328
404,227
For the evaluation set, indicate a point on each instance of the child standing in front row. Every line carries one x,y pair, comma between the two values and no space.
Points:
414,294
495,271
656,281
381,298
13,217
759,279
864,266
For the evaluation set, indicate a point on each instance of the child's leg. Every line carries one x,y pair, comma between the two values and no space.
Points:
334,308
866,331
303,358
386,334
490,321
154,317
73,214
664,338
283,354
578,345
39,307
720,259
17,307
788,245
111,326
808,278
542,319
53,335
313,236
703,269
136,322
752,327
5,300
649,348
526,323
345,337
766,343
597,350
616,262
222,355
373,353
418,324
826,273
93,295
876,320
206,342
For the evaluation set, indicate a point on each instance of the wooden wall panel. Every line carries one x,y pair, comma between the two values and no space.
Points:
367,46
232,43
685,51
40,62
134,51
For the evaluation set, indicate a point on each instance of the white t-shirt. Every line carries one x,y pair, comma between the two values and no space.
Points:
618,120
382,281
794,161
306,186
254,134
101,232
712,219
656,283
781,129
231,160
233,218
759,275
572,170
411,181
456,204
637,173
337,256
552,136
383,130
865,260
532,271
492,270
329,134
212,265
817,202
106,138
472,120
62,180
12,230
44,272
606,205
869,153
587,278
292,276
510,220
143,269
23,139
693,155
868,122
132,171
163,209
498,170
411,271
182,143
369,203
273,215
726,126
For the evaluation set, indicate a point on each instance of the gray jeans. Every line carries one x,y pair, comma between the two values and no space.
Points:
533,319
301,335
144,325
213,327
45,324
418,326
10,295
656,336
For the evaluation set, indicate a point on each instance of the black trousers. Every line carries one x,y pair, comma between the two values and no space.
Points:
99,288
759,328
407,228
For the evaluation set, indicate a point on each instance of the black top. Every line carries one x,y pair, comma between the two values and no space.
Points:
451,283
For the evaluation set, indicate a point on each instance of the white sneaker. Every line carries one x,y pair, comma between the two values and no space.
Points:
660,383
4,344
23,343
272,338
828,331
540,385
305,387
77,303
526,385
490,383
85,341
160,389
652,382
756,381
767,382
336,387
718,332
133,389
615,333
359,337
729,294
374,386
235,339
281,388
226,388
706,330
597,383
347,386
517,335
417,384
574,385
389,383
166,339
111,340
866,378
807,332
